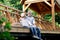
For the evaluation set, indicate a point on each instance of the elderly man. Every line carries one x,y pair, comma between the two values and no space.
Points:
32,21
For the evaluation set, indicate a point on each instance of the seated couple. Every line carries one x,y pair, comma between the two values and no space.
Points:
29,22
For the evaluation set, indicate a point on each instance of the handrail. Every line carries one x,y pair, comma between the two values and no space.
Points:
8,13
10,8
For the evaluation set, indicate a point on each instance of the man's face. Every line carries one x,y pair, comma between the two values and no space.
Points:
29,14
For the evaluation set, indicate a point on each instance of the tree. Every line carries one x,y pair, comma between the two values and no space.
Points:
12,3
48,17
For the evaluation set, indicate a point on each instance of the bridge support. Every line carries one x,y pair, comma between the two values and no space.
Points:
53,13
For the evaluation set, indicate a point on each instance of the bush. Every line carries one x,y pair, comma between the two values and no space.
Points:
4,33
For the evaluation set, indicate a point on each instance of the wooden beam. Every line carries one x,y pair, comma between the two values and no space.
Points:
57,4
34,1
53,14
45,6
17,16
25,8
50,32
22,1
58,1
8,14
47,3
38,5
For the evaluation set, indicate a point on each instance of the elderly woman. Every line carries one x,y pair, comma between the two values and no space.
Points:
23,20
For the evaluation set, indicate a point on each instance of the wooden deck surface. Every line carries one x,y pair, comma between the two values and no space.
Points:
51,32
27,30
18,28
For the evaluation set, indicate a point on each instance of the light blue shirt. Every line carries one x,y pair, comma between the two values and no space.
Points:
31,19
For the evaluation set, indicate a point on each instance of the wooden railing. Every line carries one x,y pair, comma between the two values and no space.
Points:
14,17
8,14
45,25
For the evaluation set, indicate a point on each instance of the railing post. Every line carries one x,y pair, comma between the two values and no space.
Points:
53,14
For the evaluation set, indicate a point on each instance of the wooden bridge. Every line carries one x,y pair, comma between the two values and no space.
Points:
14,15
46,27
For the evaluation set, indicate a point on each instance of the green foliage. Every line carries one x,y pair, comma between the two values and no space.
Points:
0,13
8,26
12,3
34,13
2,19
16,4
2,1
48,17
6,36
57,19
4,33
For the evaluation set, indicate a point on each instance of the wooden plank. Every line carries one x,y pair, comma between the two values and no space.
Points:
22,1
20,29
17,27
8,15
45,6
50,32
58,1
53,14
47,3
34,1
38,5
25,8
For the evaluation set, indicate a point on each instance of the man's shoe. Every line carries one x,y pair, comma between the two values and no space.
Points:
36,37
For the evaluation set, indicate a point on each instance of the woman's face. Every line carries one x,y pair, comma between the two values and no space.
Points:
23,15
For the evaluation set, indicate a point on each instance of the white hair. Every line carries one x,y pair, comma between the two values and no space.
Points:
22,14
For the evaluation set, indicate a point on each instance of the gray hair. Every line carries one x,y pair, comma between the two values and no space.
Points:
29,12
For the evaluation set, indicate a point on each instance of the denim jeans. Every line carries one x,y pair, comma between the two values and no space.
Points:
36,31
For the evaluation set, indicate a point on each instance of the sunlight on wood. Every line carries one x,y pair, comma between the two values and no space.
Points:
34,1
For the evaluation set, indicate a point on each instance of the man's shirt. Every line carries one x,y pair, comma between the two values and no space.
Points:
31,19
